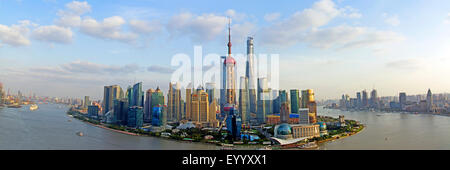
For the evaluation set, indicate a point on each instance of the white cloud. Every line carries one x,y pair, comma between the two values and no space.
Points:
53,34
272,17
447,19
78,8
204,27
236,16
391,20
15,35
110,28
306,27
145,27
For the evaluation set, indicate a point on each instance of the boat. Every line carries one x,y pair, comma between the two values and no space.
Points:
80,134
34,107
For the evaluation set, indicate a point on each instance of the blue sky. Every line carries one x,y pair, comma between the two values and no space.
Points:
74,48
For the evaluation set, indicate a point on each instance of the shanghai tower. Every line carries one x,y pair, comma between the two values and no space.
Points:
250,74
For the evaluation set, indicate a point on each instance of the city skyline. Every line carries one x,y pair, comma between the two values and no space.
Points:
348,47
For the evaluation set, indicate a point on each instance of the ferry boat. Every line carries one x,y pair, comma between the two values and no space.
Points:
33,107
80,134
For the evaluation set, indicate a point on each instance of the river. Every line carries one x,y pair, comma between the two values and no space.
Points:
49,128
393,131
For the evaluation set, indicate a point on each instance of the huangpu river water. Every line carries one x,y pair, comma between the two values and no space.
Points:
49,128
393,131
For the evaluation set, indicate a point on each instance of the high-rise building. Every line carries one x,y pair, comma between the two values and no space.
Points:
402,100
200,106
2,94
87,102
136,98
304,115
148,107
157,98
135,116
263,96
211,90
188,103
121,112
244,109
109,95
374,103
307,96
233,121
295,100
250,74
174,103
213,107
429,101
365,99
358,100
93,111
158,117
284,112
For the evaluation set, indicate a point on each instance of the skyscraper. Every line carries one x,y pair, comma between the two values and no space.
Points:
295,100
135,116
244,100
200,106
148,107
211,90
250,74
429,101
87,102
358,100
158,117
2,94
188,103
374,103
402,100
263,95
120,112
137,96
110,93
223,85
174,103
157,98
307,96
365,99
284,112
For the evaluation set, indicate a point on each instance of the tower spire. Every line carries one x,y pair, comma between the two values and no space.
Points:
229,36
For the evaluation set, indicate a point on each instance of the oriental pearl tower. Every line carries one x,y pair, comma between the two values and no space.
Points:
230,65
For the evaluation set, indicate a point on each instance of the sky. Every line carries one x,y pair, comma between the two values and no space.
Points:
66,48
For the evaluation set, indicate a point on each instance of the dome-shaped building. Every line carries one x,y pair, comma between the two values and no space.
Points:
322,126
283,131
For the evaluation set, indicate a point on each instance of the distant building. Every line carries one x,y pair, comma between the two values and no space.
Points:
120,112
295,100
244,105
93,111
148,107
158,117
87,102
135,117
429,101
109,95
304,115
402,100
263,96
174,112
365,99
